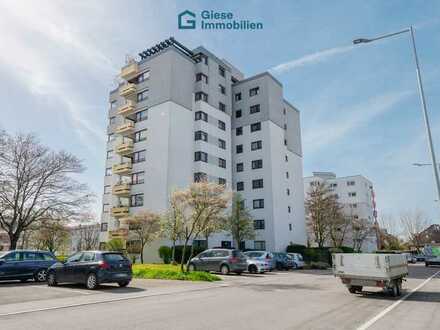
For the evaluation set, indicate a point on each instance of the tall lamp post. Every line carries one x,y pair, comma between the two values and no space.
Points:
410,30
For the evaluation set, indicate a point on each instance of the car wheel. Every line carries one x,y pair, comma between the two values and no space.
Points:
224,269
51,279
426,264
123,284
41,275
295,266
91,282
191,268
253,269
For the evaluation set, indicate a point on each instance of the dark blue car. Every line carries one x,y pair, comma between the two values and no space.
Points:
91,268
25,264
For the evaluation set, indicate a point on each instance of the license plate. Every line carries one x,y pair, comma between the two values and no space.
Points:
120,275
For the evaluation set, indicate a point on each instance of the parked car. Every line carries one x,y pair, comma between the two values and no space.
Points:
265,256
219,260
25,264
298,261
91,268
420,257
256,264
410,258
282,261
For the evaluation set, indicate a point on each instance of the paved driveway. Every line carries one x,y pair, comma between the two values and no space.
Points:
283,300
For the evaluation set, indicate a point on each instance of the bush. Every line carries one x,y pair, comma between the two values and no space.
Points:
296,248
347,249
319,265
61,258
170,272
179,250
115,244
165,253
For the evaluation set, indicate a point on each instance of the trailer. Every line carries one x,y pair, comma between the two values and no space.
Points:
359,270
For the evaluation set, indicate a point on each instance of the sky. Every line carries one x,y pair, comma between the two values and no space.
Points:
360,109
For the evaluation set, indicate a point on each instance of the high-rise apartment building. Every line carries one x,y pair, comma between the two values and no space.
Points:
185,115
356,196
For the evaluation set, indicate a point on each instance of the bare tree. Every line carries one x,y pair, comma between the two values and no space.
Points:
50,234
239,223
361,230
172,225
88,236
338,223
413,224
146,228
36,183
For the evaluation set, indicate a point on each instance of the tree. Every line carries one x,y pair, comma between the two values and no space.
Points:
239,223
36,183
146,228
338,223
413,224
52,235
115,244
172,225
88,236
197,206
361,230
318,206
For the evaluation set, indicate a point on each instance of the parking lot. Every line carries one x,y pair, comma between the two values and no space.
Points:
304,299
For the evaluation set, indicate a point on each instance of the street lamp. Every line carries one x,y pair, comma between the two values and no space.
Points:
421,92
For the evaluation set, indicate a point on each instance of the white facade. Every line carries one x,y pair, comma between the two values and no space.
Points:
355,194
185,138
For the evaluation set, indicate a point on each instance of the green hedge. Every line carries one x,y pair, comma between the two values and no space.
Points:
315,254
179,249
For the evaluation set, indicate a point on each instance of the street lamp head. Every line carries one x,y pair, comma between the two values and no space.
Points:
361,41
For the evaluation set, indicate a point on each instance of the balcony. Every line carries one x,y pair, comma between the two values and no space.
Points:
120,211
127,90
127,109
125,222
125,148
121,233
121,189
129,71
125,129
122,169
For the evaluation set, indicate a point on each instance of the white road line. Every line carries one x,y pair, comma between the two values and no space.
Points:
370,322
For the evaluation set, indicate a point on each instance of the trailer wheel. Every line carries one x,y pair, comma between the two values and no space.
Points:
352,289
394,290
355,289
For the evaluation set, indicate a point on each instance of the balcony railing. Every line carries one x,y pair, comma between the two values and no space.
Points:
127,90
120,211
122,169
121,233
130,71
121,189
127,109
125,148
125,129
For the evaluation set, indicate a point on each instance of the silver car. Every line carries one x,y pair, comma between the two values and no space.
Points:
219,260
298,261
263,256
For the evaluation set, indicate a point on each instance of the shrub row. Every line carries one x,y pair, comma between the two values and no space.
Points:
165,253
315,254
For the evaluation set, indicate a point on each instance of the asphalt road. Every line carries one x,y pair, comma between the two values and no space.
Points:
284,300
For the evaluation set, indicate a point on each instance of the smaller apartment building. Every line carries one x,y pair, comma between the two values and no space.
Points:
356,195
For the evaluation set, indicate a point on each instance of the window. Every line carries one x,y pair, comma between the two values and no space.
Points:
202,77
241,205
88,256
353,206
200,176
260,245
222,125
226,244
258,163
239,131
107,189
237,113
75,258
254,109
257,184
239,148
259,224
288,192
112,120
239,167
258,203
285,126
351,194
221,71
108,171
143,76
105,208
234,80
222,107
284,111
333,185
222,181
285,142
201,156
200,115
351,183
237,96
137,200
254,91
200,135
113,104
290,227
140,135
256,145
200,243
139,156
142,95
222,163
221,144
255,127
289,209
200,96
240,186
204,59
141,115
287,175
137,178
109,154
222,89
110,137
286,158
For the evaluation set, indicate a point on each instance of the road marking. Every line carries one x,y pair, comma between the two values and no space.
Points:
370,322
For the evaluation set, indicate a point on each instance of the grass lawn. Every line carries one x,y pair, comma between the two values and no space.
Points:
170,272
